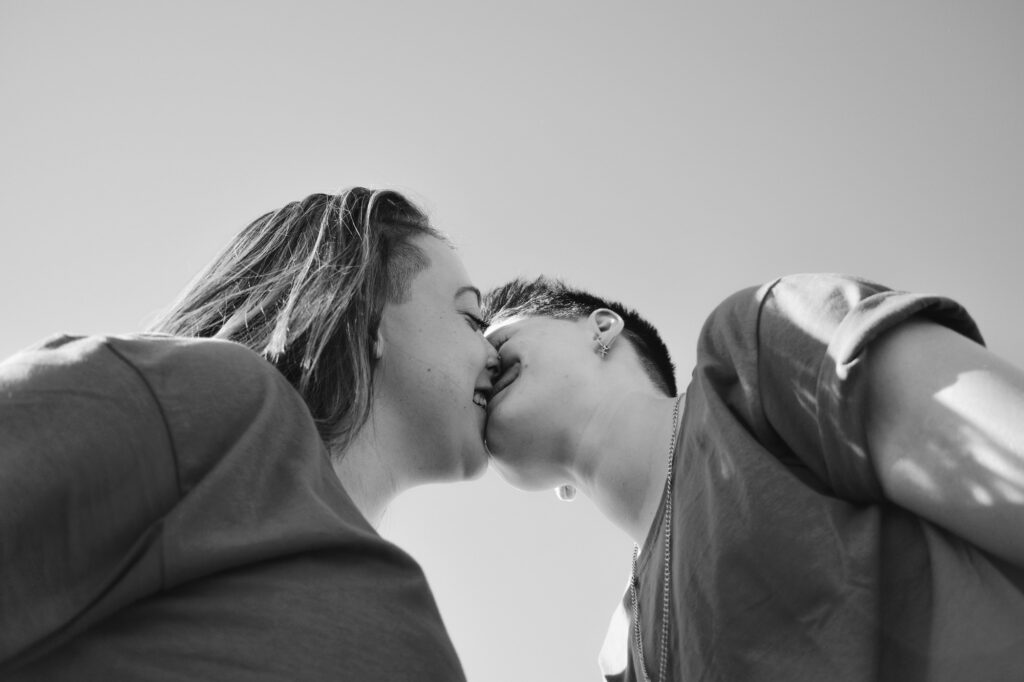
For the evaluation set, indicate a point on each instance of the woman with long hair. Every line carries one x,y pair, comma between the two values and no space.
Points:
200,502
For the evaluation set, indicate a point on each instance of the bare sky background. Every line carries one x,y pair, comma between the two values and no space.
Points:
662,153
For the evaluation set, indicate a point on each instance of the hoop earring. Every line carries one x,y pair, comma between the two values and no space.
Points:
602,348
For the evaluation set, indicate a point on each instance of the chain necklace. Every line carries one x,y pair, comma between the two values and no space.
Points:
663,640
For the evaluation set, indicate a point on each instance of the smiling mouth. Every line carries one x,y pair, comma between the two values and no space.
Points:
480,399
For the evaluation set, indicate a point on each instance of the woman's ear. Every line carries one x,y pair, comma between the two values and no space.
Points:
606,326
378,345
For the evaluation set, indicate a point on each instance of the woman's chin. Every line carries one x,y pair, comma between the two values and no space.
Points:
476,464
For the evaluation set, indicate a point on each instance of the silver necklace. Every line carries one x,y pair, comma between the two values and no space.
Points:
663,640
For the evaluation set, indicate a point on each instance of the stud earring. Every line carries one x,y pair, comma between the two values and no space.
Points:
566,493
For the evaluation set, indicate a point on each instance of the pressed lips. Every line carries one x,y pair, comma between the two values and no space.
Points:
506,378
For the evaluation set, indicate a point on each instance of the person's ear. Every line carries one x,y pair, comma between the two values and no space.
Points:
606,325
378,345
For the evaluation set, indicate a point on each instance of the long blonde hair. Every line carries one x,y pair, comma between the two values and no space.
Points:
305,286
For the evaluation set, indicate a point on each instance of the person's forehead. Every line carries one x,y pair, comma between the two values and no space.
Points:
505,325
445,273
440,255
509,325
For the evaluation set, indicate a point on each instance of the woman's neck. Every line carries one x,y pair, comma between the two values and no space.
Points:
366,474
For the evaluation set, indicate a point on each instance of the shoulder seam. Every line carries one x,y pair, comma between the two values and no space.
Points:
768,293
170,439
159,407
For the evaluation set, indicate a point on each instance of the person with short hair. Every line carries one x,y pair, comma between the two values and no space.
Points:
838,494
201,502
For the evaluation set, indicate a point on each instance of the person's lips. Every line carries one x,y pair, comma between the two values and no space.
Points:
506,378
482,395
480,399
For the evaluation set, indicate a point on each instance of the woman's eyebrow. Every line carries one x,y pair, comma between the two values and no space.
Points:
469,289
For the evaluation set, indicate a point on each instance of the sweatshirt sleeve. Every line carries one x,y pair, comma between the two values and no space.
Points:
86,473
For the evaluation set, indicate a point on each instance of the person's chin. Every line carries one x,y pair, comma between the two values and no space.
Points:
516,476
476,464
471,461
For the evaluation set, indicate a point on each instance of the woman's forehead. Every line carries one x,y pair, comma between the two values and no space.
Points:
445,274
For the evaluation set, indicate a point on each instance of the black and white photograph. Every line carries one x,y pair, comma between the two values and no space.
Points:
563,341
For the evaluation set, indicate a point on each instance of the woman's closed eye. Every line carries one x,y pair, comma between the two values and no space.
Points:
475,323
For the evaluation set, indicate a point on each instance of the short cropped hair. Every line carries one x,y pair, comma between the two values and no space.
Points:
305,287
553,298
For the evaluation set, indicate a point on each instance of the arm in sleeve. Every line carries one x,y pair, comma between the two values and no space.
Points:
945,426
86,472
815,341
